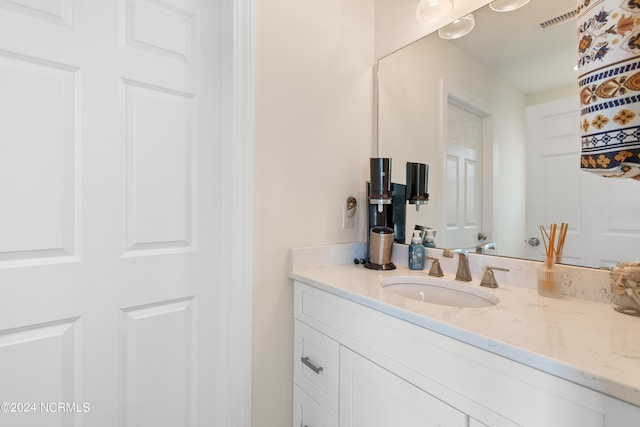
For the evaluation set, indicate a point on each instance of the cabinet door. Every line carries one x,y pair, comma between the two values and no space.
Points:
307,413
371,396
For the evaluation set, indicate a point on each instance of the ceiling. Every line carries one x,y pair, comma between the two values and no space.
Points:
513,45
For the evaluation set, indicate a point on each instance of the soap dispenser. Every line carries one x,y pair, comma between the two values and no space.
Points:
416,252
430,238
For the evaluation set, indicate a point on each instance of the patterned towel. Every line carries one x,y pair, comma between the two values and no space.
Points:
609,79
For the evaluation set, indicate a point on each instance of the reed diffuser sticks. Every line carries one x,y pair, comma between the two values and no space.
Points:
553,250
548,284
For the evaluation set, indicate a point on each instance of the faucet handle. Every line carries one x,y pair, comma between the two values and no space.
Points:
489,279
435,270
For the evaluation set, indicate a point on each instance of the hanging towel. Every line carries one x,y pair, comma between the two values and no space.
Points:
609,80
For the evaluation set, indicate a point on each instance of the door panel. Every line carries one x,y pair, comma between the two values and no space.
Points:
37,381
164,29
158,129
38,177
159,363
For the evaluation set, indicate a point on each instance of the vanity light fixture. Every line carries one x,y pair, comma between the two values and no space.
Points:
507,5
432,10
458,28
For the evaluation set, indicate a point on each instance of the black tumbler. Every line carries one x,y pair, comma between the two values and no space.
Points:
417,183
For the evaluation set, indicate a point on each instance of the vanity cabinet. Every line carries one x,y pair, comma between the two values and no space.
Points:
369,368
374,397
371,396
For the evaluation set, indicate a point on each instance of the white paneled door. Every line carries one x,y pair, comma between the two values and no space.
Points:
463,190
106,248
602,213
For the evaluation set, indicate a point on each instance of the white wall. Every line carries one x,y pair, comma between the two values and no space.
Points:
553,94
410,129
313,138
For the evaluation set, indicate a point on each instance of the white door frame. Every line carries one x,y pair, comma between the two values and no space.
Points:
235,281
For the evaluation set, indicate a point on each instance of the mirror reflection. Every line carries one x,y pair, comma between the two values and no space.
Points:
495,115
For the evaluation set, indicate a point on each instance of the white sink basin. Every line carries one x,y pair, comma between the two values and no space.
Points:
439,291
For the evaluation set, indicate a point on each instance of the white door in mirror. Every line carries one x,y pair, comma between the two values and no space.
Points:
602,213
463,187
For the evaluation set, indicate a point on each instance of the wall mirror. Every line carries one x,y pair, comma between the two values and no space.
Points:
495,114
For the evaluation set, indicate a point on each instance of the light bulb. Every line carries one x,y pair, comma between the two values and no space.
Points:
433,10
458,28
507,5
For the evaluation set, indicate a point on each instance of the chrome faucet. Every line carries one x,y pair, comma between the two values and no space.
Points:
463,273
481,249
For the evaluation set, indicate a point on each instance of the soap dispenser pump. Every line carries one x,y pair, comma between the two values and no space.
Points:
416,252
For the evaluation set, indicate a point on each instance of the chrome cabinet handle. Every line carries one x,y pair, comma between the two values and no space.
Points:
308,364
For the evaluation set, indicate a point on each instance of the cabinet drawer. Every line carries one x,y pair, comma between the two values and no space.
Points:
315,366
307,413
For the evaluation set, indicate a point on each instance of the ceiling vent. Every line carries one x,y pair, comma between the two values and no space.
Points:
563,17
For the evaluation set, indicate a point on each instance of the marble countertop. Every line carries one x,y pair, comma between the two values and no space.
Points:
582,341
